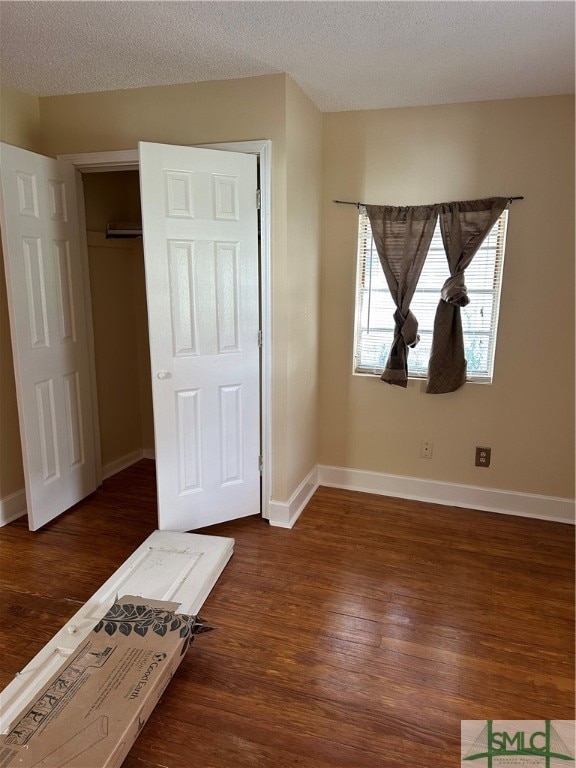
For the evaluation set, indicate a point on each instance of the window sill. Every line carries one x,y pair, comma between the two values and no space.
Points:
412,377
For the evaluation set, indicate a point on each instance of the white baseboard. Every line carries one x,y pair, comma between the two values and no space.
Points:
123,462
126,461
468,496
283,514
12,507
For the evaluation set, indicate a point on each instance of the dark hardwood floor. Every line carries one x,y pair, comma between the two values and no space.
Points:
359,639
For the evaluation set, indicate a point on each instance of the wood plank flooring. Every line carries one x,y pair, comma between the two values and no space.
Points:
359,639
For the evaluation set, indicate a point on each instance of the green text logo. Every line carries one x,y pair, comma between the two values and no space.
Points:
516,739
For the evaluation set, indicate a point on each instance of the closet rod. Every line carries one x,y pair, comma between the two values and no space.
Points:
348,202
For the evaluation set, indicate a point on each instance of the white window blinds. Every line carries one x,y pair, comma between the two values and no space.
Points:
375,308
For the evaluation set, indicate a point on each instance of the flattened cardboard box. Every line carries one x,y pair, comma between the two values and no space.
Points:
94,707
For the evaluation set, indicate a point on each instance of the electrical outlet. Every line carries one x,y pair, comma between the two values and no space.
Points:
483,456
426,449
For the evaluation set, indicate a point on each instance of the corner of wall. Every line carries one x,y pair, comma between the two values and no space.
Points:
19,126
284,514
19,118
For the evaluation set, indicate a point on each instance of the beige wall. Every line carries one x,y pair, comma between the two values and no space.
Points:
11,470
19,126
268,107
19,119
426,154
398,156
302,281
118,296
142,348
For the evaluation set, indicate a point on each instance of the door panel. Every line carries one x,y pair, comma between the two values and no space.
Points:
168,566
201,256
43,263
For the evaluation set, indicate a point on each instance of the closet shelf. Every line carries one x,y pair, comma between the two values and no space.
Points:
123,229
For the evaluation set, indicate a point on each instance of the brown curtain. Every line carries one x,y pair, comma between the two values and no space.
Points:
402,236
464,226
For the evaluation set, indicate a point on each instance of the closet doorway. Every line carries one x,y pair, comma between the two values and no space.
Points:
120,321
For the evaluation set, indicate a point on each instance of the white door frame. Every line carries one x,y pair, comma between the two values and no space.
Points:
125,160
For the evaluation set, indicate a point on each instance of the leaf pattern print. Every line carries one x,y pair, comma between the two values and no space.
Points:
127,617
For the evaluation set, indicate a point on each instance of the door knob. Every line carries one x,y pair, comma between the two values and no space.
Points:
164,375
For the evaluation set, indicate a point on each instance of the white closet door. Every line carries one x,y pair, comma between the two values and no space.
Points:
177,567
201,256
44,275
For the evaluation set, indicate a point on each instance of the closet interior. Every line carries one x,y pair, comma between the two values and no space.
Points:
119,314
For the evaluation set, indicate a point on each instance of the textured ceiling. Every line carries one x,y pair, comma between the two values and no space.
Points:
345,55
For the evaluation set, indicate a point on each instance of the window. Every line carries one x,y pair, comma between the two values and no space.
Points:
375,308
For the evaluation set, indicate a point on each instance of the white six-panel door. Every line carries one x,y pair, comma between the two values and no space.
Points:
201,257
43,263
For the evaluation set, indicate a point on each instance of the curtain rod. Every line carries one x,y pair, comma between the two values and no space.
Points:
347,202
